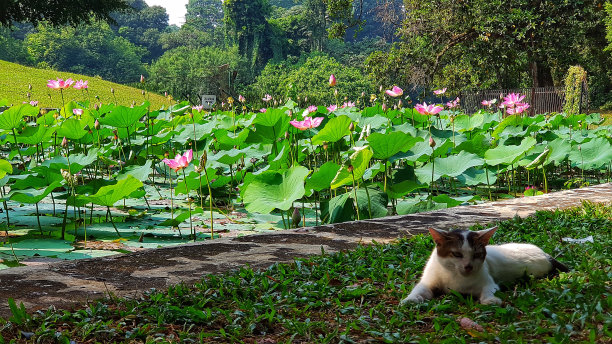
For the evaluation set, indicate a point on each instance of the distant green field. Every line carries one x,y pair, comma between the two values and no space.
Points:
14,81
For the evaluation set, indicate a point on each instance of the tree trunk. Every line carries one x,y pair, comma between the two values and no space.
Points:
540,74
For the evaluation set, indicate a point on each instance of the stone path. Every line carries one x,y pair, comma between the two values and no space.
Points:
73,283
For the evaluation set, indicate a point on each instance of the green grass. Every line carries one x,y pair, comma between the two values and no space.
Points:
14,81
353,297
607,115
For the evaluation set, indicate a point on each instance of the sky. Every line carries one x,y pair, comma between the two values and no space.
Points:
175,8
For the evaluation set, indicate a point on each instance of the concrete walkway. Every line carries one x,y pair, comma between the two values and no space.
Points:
73,283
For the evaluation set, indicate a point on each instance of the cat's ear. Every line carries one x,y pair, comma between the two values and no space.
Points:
485,235
438,235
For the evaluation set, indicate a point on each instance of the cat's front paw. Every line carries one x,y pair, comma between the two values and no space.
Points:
413,299
493,300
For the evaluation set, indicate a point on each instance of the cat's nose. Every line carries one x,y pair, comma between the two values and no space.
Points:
469,268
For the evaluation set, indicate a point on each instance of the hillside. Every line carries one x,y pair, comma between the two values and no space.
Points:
15,78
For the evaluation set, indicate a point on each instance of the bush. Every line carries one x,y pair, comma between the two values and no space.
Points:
308,78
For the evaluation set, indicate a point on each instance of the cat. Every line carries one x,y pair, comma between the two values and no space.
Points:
463,261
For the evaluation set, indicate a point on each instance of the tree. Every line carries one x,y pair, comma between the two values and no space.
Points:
608,22
308,78
143,26
484,43
92,49
186,72
247,26
205,15
59,12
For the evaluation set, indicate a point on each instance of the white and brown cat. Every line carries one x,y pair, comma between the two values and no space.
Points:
463,261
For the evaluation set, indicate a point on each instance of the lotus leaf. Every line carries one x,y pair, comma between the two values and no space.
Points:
275,190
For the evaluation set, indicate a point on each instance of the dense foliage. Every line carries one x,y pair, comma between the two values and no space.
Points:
58,12
306,79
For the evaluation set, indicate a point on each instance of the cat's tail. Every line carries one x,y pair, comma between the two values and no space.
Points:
557,266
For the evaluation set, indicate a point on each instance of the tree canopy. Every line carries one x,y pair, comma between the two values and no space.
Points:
59,12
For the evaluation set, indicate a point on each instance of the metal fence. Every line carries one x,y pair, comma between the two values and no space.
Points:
541,99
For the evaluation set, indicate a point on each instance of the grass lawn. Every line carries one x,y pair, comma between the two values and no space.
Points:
15,78
354,297
608,117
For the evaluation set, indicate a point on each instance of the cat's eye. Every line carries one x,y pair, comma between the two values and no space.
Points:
457,254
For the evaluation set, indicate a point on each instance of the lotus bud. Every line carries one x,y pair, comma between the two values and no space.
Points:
64,142
399,104
112,90
166,94
362,94
350,168
241,98
384,107
325,146
29,95
351,126
96,106
432,143
380,88
306,99
332,81
296,217
202,162
30,87
69,178
452,119
142,92
275,102
286,135
142,79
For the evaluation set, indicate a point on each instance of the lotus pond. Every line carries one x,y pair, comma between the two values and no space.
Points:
88,181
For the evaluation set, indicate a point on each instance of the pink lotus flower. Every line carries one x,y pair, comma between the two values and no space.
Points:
513,99
429,110
489,102
263,110
311,109
332,108
453,104
77,112
332,81
267,98
180,161
348,104
241,99
59,84
307,123
394,92
33,102
198,107
518,108
81,85
439,92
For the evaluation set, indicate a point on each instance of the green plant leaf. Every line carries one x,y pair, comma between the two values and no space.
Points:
32,196
377,202
72,129
274,190
322,178
451,166
123,116
333,131
385,146
508,155
11,118
5,168
417,205
111,194
594,154
338,209
360,161
36,135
